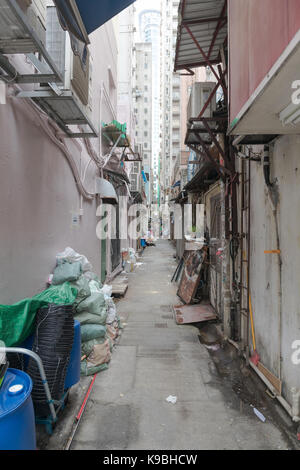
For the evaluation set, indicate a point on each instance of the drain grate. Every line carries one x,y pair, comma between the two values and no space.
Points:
166,308
161,325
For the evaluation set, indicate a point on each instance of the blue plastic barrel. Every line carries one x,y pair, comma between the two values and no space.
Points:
73,372
27,344
17,424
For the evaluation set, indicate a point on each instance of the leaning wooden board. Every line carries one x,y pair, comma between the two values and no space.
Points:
193,264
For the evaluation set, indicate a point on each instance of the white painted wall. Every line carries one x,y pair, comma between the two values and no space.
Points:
264,270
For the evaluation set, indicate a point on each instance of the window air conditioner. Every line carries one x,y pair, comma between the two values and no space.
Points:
77,78
200,92
35,11
135,177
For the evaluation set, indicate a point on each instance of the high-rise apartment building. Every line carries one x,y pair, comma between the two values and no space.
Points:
143,110
149,24
126,64
170,97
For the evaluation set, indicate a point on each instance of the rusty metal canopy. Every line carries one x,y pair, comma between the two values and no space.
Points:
206,21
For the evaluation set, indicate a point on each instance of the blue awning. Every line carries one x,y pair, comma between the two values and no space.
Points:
82,17
95,13
144,177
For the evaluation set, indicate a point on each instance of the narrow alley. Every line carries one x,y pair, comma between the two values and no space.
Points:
149,242
157,358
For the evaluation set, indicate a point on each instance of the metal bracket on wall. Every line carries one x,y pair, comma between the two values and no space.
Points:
24,40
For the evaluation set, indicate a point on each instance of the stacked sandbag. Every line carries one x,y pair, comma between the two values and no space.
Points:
94,309
92,315
113,323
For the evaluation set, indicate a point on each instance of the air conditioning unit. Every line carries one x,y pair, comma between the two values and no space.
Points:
135,177
200,92
35,11
77,78
135,182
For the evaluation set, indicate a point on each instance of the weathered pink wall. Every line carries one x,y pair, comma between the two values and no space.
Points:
259,31
38,192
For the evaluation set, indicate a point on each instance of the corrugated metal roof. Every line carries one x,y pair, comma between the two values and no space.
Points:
201,17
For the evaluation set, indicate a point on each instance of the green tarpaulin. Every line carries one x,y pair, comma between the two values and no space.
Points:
17,321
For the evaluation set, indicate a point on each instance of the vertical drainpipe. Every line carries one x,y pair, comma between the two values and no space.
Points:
226,293
249,261
273,201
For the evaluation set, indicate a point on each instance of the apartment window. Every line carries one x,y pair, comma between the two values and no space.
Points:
146,134
145,145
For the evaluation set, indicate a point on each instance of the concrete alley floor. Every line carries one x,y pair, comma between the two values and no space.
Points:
154,359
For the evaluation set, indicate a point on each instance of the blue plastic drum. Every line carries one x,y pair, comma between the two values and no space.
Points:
17,423
73,372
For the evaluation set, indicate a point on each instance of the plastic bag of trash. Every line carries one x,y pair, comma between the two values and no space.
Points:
71,256
106,290
66,272
111,311
95,286
89,332
87,370
101,354
87,346
86,318
97,360
83,288
112,332
95,303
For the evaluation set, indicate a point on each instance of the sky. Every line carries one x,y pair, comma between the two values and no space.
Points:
146,4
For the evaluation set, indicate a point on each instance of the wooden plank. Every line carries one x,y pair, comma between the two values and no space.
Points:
193,264
185,314
277,384
119,289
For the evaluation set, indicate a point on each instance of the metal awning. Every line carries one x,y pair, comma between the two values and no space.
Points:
94,13
82,17
18,37
205,176
106,191
202,32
